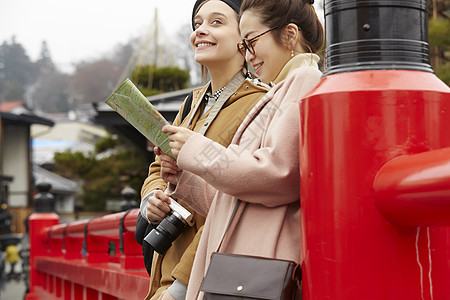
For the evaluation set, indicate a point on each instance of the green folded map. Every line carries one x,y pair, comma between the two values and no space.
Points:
134,107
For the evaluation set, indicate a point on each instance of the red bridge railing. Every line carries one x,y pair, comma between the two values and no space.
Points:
87,259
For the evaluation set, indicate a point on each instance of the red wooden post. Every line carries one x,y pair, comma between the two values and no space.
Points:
74,238
38,222
131,257
56,239
100,232
73,276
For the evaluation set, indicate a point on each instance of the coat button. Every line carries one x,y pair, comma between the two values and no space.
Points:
239,288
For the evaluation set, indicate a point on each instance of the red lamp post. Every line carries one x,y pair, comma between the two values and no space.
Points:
375,160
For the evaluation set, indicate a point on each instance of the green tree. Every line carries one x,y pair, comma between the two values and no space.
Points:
50,92
439,38
16,71
152,80
103,177
45,62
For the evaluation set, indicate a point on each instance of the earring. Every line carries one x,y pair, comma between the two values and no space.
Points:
292,52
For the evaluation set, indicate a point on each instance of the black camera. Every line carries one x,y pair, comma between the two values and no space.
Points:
161,237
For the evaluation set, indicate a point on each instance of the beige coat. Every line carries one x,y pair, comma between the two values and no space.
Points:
260,168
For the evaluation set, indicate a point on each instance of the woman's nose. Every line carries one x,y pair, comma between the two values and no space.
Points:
249,56
201,30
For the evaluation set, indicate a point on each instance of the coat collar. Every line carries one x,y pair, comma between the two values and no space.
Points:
300,60
237,87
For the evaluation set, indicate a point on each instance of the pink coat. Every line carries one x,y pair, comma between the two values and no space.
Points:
260,168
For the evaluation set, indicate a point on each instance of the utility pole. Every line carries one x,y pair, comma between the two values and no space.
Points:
155,50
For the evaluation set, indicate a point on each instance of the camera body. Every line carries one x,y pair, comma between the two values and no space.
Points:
161,237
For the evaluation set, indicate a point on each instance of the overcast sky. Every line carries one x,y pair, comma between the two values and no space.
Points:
77,30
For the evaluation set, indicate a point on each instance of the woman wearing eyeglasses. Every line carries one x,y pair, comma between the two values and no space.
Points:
260,166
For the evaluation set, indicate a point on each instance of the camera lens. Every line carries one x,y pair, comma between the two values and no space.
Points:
165,233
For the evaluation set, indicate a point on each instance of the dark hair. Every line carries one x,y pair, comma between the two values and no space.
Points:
279,13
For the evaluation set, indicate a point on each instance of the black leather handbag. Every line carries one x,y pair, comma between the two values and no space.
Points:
233,276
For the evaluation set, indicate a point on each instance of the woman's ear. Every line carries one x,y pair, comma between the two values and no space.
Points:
292,35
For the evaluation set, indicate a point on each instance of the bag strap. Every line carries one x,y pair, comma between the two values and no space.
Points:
229,223
229,90
187,105
223,237
296,274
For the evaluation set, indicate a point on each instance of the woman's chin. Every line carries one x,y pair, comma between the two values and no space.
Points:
264,78
203,59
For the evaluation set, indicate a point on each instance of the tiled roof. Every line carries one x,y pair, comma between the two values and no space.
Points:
59,184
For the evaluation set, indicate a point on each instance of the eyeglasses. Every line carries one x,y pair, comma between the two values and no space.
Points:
247,44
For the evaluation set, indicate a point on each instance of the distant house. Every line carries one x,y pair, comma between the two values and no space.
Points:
15,157
78,136
66,134
62,188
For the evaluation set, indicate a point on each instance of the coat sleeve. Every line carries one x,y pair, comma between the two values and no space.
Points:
268,175
194,190
182,270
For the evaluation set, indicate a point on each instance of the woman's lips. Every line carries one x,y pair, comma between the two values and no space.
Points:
204,44
257,67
